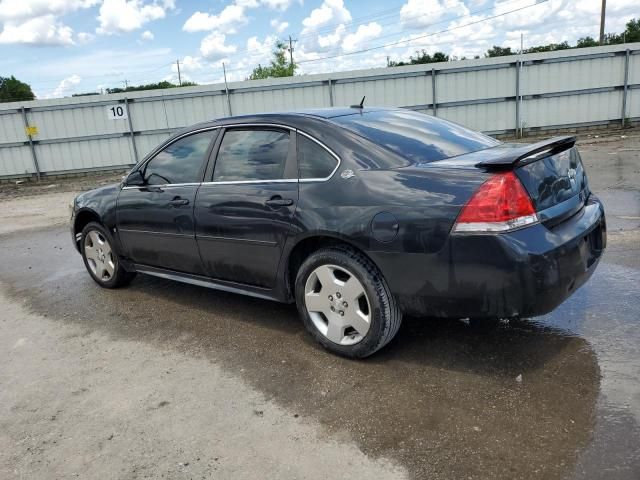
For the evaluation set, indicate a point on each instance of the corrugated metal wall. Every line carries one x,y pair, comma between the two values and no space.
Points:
495,95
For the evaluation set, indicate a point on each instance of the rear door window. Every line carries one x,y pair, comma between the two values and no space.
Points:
252,154
418,137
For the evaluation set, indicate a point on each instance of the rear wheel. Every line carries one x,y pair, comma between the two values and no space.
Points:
345,303
100,258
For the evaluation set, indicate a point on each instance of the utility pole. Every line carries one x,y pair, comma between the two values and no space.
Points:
291,51
602,15
126,84
179,76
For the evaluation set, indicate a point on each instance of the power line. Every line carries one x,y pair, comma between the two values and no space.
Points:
410,40
399,42
267,48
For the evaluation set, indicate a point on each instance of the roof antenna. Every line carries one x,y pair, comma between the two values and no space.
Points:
361,103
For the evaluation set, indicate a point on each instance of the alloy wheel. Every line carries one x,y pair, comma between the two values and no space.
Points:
99,255
337,304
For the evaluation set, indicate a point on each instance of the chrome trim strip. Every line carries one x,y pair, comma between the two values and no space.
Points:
236,240
492,227
240,182
258,124
149,232
164,185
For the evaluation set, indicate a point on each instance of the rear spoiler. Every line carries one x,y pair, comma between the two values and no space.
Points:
521,155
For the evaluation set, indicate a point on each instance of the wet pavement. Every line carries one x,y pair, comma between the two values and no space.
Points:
554,397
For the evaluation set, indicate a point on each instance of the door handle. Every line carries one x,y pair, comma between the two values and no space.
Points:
278,201
176,202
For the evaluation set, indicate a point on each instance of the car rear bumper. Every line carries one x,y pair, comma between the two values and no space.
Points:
527,272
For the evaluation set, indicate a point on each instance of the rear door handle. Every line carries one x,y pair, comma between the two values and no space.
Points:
278,201
177,202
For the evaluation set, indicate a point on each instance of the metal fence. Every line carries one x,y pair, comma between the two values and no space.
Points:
570,88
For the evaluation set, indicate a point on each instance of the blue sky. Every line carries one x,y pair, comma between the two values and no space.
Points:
62,47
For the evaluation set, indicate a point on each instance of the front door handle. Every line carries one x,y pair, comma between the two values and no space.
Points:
278,201
177,202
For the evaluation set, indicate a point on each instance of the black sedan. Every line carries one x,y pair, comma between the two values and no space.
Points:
359,215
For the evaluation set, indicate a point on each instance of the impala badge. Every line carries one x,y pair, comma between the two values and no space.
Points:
347,174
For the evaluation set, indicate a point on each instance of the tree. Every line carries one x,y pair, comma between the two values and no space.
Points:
13,90
586,42
497,51
632,32
279,66
421,57
150,86
548,48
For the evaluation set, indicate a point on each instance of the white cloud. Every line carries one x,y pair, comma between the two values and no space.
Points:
231,17
85,37
188,64
277,4
331,11
66,86
332,39
45,30
423,13
37,22
213,47
279,26
118,16
13,10
363,34
147,35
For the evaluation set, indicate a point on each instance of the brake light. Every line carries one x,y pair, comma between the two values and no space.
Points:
500,204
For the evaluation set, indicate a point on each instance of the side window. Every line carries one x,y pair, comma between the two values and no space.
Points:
313,160
180,162
252,155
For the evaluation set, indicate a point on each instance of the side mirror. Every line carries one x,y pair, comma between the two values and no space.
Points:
135,178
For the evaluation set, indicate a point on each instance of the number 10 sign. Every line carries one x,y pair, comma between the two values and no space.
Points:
116,112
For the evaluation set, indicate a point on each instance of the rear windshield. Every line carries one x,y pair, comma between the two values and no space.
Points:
418,137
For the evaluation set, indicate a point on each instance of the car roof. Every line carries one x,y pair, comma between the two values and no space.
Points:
325,113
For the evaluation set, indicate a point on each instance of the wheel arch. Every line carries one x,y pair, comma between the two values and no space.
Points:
308,245
83,218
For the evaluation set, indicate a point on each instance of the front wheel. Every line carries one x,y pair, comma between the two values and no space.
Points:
100,259
345,303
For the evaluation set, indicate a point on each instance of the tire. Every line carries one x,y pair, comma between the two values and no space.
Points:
100,258
341,319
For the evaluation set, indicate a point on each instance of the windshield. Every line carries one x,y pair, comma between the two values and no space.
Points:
416,136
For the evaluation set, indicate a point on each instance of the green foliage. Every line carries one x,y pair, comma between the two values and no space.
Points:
150,86
13,90
587,42
548,48
497,51
280,65
630,34
421,57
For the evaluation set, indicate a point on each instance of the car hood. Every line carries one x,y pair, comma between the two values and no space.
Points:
100,192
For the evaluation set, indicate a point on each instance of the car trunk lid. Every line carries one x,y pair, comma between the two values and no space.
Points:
551,172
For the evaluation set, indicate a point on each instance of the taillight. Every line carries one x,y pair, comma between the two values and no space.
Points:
500,204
